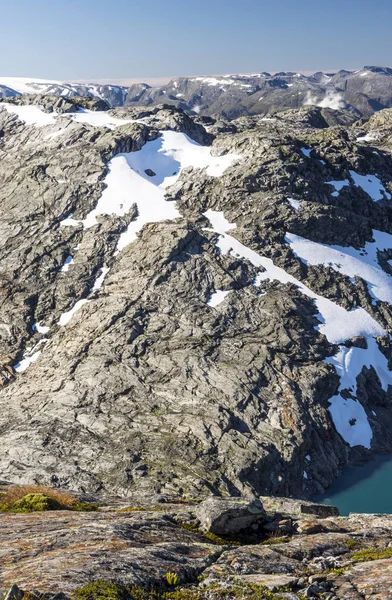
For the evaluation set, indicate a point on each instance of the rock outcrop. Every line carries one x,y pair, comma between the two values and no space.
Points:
158,550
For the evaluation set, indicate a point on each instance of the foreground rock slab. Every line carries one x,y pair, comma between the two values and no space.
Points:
61,551
57,552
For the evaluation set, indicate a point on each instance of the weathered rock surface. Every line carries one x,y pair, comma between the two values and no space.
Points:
57,552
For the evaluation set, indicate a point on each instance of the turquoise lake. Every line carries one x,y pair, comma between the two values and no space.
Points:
363,489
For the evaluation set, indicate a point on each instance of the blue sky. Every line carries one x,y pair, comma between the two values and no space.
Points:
97,39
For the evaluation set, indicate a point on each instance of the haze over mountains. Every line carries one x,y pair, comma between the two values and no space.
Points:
363,92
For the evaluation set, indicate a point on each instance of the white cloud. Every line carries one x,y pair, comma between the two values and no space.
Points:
332,100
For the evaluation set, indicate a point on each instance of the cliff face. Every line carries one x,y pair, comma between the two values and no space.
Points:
188,310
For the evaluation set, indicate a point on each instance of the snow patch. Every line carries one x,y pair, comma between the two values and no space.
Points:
348,414
24,364
98,118
127,182
217,297
214,81
31,356
349,261
67,316
369,137
99,281
371,185
67,263
70,222
31,115
338,185
40,328
23,85
294,203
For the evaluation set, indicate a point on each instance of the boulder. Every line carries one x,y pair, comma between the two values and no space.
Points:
294,507
309,526
229,516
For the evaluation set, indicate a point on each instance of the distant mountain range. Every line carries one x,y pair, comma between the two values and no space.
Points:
362,92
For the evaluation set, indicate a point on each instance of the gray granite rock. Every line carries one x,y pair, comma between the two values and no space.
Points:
224,516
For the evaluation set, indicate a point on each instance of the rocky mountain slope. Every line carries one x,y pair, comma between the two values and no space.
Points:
189,308
362,92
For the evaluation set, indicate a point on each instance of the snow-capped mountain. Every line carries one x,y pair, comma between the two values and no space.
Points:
363,92
188,309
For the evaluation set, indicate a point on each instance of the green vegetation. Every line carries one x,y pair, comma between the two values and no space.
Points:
211,537
107,590
276,540
103,590
33,596
190,527
336,571
37,498
219,541
84,506
35,502
172,579
352,544
142,509
371,554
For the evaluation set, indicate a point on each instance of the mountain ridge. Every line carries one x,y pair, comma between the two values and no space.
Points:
363,92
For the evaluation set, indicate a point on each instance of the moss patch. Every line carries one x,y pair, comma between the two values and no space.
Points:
104,590
35,502
352,544
142,509
276,540
371,554
26,499
211,537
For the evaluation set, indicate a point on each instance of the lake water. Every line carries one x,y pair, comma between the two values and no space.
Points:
365,489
